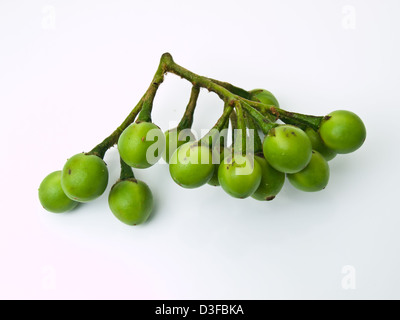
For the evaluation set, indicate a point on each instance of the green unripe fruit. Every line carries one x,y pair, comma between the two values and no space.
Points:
191,165
239,176
264,96
271,181
314,177
51,195
319,145
287,149
174,139
343,131
131,201
222,155
84,177
141,145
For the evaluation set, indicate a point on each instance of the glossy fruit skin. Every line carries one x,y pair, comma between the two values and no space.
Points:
314,177
287,148
240,175
319,145
84,177
174,139
191,165
343,131
137,140
131,201
52,196
271,183
264,96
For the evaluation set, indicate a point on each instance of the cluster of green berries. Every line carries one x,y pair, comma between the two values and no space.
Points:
300,154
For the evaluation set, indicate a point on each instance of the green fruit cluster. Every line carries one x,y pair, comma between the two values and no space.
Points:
298,149
287,151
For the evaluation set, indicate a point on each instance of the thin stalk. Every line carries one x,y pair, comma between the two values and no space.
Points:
264,124
235,90
240,145
145,102
258,147
145,114
126,171
215,130
287,116
187,119
112,139
234,125
223,137
197,80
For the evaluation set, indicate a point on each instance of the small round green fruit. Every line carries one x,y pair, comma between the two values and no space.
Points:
84,177
52,196
131,201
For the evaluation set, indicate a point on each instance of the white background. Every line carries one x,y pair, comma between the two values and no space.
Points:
70,71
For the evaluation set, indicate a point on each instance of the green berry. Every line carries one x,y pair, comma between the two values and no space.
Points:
343,131
131,201
174,139
84,177
191,165
287,148
240,175
314,177
264,96
271,181
52,196
222,154
141,144
319,145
